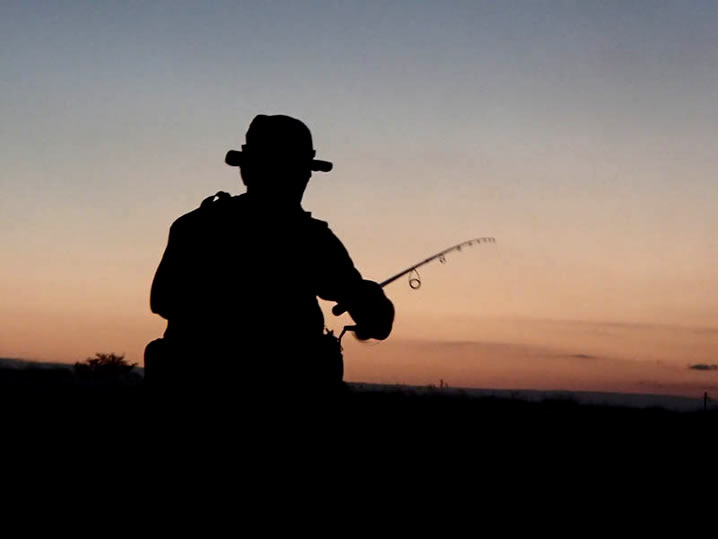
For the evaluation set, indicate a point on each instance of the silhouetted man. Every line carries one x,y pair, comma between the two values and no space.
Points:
239,280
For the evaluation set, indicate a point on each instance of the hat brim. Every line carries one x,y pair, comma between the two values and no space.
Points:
321,166
234,159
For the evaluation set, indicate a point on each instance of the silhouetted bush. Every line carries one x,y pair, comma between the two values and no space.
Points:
106,368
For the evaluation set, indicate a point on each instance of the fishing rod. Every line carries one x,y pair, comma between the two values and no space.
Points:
415,282
414,277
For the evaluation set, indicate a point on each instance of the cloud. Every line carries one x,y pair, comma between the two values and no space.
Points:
704,367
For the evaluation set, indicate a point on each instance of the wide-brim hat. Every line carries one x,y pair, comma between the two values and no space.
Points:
281,136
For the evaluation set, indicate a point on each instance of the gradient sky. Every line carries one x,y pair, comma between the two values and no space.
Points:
582,135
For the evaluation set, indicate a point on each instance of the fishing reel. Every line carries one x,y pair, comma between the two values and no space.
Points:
351,328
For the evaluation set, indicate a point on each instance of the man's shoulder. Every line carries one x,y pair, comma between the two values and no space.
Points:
209,208
326,241
321,232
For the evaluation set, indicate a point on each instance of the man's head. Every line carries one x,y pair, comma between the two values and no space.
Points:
277,159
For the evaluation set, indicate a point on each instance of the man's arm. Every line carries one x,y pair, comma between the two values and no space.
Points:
365,300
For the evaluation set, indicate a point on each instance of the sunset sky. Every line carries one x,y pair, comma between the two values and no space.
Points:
582,135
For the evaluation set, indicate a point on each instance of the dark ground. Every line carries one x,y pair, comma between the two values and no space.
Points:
202,441
57,399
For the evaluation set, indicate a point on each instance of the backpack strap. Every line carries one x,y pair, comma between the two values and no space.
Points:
220,195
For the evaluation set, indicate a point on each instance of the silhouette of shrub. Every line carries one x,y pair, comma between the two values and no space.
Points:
106,368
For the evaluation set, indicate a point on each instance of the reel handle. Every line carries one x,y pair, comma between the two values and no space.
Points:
346,328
